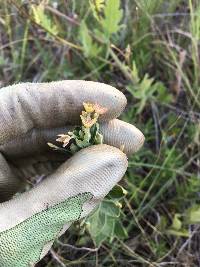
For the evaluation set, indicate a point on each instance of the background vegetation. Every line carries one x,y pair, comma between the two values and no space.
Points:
149,49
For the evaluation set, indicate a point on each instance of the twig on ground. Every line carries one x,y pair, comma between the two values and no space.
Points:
77,248
56,258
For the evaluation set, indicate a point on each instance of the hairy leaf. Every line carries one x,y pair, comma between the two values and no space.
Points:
112,17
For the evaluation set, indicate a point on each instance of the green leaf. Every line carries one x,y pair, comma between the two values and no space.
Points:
134,72
146,89
95,225
97,6
82,143
120,231
109,227
98,240
42,19
183,232
194,215
87,135
98,139
94,130
86,39
117,192
90,48
112,17
176,227
74,148
105,223
176,224
109,208
163,95
96,222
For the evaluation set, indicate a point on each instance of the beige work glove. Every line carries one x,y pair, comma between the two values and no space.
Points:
32,114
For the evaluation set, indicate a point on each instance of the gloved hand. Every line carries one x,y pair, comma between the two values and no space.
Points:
30,116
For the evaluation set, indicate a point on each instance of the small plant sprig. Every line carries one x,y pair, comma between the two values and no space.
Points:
85,135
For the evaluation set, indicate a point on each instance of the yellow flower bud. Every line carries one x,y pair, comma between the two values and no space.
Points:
88,107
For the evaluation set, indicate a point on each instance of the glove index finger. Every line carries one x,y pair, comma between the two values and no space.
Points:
28,106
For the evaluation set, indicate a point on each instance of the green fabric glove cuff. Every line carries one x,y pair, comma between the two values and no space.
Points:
22,245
